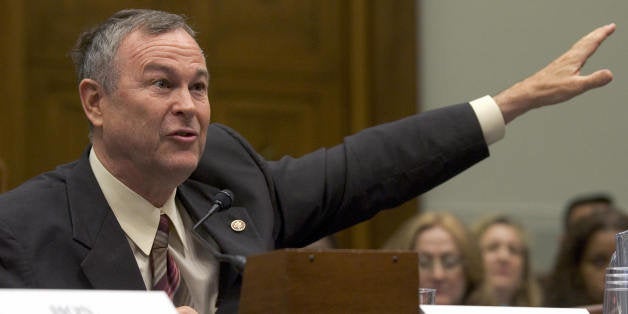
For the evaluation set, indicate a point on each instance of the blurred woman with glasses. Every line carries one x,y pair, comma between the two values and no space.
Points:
506,256
449,259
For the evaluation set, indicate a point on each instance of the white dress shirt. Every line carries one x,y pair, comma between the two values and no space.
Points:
490,117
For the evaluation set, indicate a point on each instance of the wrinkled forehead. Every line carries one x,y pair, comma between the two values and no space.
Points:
174,37
140,47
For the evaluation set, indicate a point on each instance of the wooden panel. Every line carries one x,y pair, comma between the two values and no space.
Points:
275,36
53,105
388,91
318,107
12,138
335,281
4,176
277,124
393,86
278,73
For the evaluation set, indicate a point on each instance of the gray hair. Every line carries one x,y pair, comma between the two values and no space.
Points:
94,52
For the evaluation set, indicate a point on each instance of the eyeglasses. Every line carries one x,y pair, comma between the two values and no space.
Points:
496,246
448,262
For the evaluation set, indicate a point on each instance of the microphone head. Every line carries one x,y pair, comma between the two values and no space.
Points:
224,198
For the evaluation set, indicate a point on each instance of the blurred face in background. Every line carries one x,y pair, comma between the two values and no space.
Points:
586,210
503,255
595,258
440,265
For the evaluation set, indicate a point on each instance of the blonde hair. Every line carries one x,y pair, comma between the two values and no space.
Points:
529,293
405,237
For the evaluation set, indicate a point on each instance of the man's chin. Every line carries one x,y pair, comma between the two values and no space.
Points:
182,166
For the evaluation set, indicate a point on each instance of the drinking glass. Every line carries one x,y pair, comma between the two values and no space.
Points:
616,290
426,296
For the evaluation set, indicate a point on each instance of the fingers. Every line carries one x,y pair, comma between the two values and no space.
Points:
559,81
588,44
597,79
583,49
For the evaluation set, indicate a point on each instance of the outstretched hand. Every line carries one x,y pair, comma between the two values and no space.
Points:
559,81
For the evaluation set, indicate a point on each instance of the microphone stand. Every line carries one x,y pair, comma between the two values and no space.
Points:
221,201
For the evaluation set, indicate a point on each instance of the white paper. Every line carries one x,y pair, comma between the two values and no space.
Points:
459,309
39,301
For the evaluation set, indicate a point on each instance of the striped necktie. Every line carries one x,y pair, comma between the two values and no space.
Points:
165,272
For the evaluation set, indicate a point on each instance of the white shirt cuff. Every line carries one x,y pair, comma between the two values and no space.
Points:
490,117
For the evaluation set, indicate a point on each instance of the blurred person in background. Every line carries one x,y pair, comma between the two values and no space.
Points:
582,206
449,259
507,267
579,207
577,278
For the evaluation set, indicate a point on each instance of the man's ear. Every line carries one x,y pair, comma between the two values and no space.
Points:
92,98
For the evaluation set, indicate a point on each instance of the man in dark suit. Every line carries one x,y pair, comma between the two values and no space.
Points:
155,159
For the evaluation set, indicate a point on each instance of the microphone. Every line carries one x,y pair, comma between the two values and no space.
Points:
222,200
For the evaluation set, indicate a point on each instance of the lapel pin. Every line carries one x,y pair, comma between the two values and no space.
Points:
238,225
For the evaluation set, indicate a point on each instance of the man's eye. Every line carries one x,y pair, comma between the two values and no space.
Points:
161,83
199,87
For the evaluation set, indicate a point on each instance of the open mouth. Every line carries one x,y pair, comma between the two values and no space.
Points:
185,134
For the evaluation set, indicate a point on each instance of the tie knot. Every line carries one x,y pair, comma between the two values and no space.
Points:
164,223
163,231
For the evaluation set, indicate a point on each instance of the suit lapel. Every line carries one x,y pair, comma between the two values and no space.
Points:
196,197
109,262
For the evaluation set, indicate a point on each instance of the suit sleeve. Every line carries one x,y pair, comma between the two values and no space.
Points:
13,268
375,169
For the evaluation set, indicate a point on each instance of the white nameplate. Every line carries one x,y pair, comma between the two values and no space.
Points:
459,309
54,301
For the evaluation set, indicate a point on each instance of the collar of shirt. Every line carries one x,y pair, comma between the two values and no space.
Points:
137,216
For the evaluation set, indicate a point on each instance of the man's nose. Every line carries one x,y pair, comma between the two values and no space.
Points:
184,103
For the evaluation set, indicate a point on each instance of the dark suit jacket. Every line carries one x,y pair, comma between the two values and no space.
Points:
57,230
